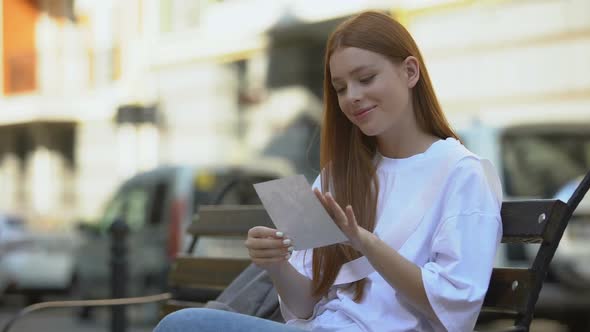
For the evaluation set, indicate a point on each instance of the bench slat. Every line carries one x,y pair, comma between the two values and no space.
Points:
205,272
520,220
195,279
509,290
226,220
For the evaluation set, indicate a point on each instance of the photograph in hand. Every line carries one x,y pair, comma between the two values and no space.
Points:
296,211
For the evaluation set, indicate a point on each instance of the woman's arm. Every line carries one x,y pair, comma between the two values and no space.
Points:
270,250
294,289
401,274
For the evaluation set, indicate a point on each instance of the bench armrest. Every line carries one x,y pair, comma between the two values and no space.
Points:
84,303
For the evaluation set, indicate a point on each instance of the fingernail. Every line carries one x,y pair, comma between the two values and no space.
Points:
328,194
279,234
291,249
287,256
287,242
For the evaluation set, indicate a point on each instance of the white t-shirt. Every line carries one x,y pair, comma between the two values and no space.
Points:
440,210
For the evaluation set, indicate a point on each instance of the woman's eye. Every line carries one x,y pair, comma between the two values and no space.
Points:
340,90
367,79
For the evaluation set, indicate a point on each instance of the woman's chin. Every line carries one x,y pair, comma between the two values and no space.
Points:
369,131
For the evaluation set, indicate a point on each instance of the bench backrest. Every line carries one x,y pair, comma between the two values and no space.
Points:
199,279
228,220
514,291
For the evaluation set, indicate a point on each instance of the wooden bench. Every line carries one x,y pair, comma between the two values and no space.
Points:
195,280
513,292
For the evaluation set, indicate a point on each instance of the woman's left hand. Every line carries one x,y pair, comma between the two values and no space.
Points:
344,219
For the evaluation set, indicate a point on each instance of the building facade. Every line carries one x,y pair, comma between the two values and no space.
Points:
95,91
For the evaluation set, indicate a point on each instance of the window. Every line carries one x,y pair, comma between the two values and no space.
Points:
113,211
180,15
137,204
131,205
158,204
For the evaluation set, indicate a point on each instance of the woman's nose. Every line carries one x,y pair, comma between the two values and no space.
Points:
353,94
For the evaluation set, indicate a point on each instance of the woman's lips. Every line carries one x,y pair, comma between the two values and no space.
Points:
363,113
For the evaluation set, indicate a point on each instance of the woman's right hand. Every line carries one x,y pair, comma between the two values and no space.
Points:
267,246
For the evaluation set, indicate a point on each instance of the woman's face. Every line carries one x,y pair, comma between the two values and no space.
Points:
373,92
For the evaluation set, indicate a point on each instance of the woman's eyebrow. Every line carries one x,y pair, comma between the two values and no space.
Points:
354,71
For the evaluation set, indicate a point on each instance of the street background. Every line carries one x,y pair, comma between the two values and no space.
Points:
145,109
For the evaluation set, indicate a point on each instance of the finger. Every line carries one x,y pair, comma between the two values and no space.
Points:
339,215
264,232
322,200
267,243
269,253
350,216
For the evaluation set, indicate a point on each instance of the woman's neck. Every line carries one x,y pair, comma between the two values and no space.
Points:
404,142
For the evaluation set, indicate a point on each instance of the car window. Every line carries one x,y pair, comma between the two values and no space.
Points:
158,204
113,210
230,188
137,207
239,189
131,205
537,165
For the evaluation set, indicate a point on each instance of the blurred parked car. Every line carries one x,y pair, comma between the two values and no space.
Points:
12,235
158,206
34,264
540,156
536,158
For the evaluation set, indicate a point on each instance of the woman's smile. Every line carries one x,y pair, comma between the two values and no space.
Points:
363,113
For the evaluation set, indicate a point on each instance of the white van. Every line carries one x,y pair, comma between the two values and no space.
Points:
539,156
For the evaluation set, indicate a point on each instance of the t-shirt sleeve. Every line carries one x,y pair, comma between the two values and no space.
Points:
464,245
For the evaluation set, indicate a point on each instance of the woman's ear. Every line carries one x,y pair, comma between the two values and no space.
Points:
412,69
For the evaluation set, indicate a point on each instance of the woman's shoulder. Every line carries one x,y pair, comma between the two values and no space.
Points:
454,154
473,175
469,163
465,163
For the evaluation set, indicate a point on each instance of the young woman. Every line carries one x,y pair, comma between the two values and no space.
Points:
421,212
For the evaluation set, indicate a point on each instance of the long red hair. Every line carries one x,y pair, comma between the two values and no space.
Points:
346,156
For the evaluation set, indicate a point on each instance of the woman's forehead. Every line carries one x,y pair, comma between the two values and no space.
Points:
350,60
